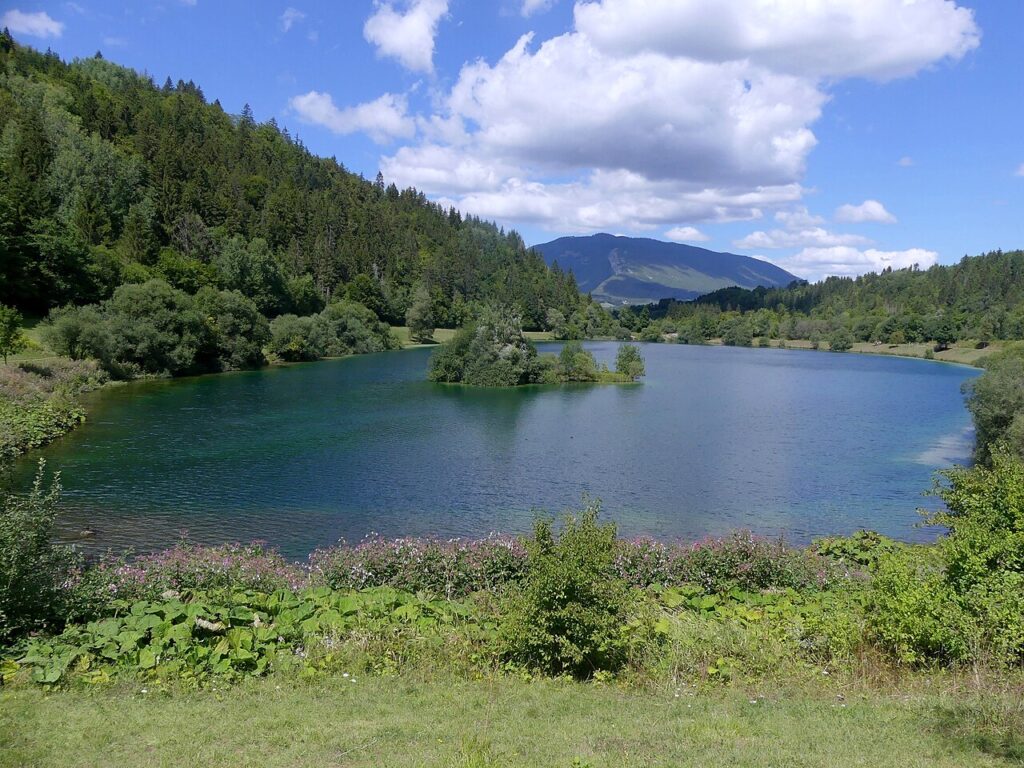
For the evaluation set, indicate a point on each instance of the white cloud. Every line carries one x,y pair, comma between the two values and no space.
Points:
409,36
115,42
880,39
687,235
798,218
868,211
383,119
804,238
905,162
818,263
657,114
531,7
37,24
1020,170
290,18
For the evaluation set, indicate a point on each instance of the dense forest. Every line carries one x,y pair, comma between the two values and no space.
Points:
108,179
981,299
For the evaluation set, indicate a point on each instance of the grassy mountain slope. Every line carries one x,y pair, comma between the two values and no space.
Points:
637,270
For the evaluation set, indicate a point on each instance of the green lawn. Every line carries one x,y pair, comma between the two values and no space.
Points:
501,722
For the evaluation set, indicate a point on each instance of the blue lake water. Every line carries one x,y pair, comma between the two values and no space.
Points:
778,441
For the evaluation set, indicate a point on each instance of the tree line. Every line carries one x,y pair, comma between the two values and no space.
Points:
980,299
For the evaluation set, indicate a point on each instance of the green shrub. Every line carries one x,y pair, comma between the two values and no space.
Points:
915,615
629,362
966,601
568,615
32,569
840,340
576,364
862,549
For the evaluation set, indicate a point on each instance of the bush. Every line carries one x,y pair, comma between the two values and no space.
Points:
32,569
568,614
491,352
914,613
967,601
629,362
840,340
996,401
294,339
576,364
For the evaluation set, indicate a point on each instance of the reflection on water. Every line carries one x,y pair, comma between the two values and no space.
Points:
779,441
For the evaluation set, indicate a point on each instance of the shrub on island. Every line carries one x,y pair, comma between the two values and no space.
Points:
493,352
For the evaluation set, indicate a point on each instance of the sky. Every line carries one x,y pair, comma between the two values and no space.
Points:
826,136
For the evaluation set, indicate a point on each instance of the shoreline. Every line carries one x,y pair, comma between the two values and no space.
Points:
955,355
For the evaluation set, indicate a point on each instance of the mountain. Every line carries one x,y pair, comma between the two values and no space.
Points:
639,270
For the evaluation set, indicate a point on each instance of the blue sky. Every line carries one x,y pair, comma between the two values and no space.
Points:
829,137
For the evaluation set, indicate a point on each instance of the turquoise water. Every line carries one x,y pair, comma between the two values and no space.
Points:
778,441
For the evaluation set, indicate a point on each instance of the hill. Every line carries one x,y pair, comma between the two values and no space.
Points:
107,178
637,270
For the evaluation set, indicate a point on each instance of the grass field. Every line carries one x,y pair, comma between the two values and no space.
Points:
501,722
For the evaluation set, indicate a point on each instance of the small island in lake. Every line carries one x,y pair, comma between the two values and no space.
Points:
493,352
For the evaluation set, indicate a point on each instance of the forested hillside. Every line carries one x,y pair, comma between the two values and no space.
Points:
107,178
979,299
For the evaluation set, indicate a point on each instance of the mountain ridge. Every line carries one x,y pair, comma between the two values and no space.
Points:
617,270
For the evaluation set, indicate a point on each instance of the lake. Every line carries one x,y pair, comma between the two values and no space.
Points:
782,442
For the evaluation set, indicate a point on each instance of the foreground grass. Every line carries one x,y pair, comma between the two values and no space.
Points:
496,722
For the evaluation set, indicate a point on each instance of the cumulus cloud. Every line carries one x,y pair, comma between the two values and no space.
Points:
531,7
879,39
660,114
686,235
816,237
798,218
290,18
868,211
845,261
38,24
409,36
383,119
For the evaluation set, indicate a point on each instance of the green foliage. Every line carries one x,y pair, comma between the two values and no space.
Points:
297,338
352,329
420,317
238,634
964,600
863,549
32,569
738,333
996,402
490,352
840,340
37,402
568,615
12,340
154,329
629,362
576,364
235,330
